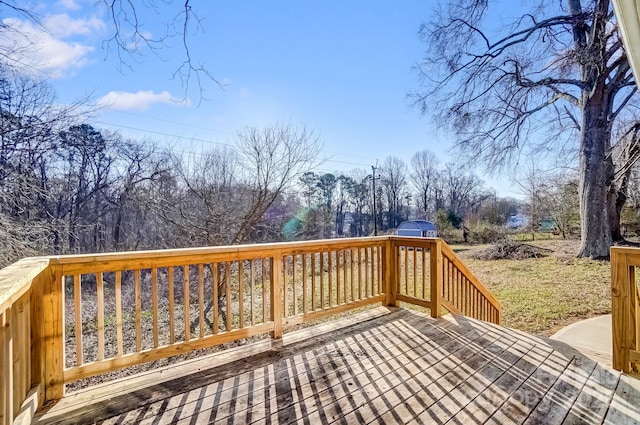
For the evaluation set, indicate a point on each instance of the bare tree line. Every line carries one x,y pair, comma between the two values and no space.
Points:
67,187
336,205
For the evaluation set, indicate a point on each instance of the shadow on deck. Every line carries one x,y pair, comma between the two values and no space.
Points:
387,365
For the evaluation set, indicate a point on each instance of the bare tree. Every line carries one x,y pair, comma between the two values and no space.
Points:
129,40
129,37
273,159
559,201
424,170
360,194
530,185
463,190
30,121
555,80
343,201
223,195
393,181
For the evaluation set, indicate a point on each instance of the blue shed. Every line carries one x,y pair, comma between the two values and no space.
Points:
420,228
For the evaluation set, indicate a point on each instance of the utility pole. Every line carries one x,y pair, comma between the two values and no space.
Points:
375,216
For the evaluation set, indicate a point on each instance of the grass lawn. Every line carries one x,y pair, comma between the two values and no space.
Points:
542,295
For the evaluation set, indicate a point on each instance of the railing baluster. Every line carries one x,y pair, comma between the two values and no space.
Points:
263,279
313,282
294,282
345,276
322,301
330,273
172,329
215,281
366,272
305,308
358,273
154,305
338,277
252,279
100,301
77,301
351,272
241,292
201,299
186,295
227,284
424,274
275,295
372,270
285,285
415,271
119,339
380,269
138,307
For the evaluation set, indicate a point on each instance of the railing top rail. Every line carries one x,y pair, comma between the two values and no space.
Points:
631,254
227,249
624,250
15,280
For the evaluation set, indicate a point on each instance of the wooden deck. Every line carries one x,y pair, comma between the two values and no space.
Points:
387,365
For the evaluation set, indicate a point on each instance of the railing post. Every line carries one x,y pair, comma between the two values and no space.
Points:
6,369
390,277
436,278
53,299
620,314
37,335
276,293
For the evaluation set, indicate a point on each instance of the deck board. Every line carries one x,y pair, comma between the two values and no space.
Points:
388,366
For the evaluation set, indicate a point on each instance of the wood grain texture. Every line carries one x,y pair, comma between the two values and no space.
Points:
620,309
349,272
393,368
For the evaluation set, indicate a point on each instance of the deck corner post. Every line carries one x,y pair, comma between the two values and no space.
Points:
390,277
436,278
53,299
620,310
276,294
6,369
38,353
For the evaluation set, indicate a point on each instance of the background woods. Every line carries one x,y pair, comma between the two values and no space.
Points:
68,187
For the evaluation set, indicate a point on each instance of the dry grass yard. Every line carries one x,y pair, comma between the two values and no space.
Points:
541,295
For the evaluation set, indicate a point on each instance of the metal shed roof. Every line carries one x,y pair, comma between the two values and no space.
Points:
418,225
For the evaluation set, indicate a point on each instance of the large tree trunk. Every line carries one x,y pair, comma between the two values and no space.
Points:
596,177
618,197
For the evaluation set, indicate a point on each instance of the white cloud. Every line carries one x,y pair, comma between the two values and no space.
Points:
37,50
63,26
69,4
140,100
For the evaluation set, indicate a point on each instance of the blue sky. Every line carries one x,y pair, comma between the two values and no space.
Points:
343,69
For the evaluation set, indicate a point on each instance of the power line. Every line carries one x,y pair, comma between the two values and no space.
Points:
175,122
160,133
196,139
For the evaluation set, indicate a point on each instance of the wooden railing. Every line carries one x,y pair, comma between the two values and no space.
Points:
429,274
625,309
70,317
